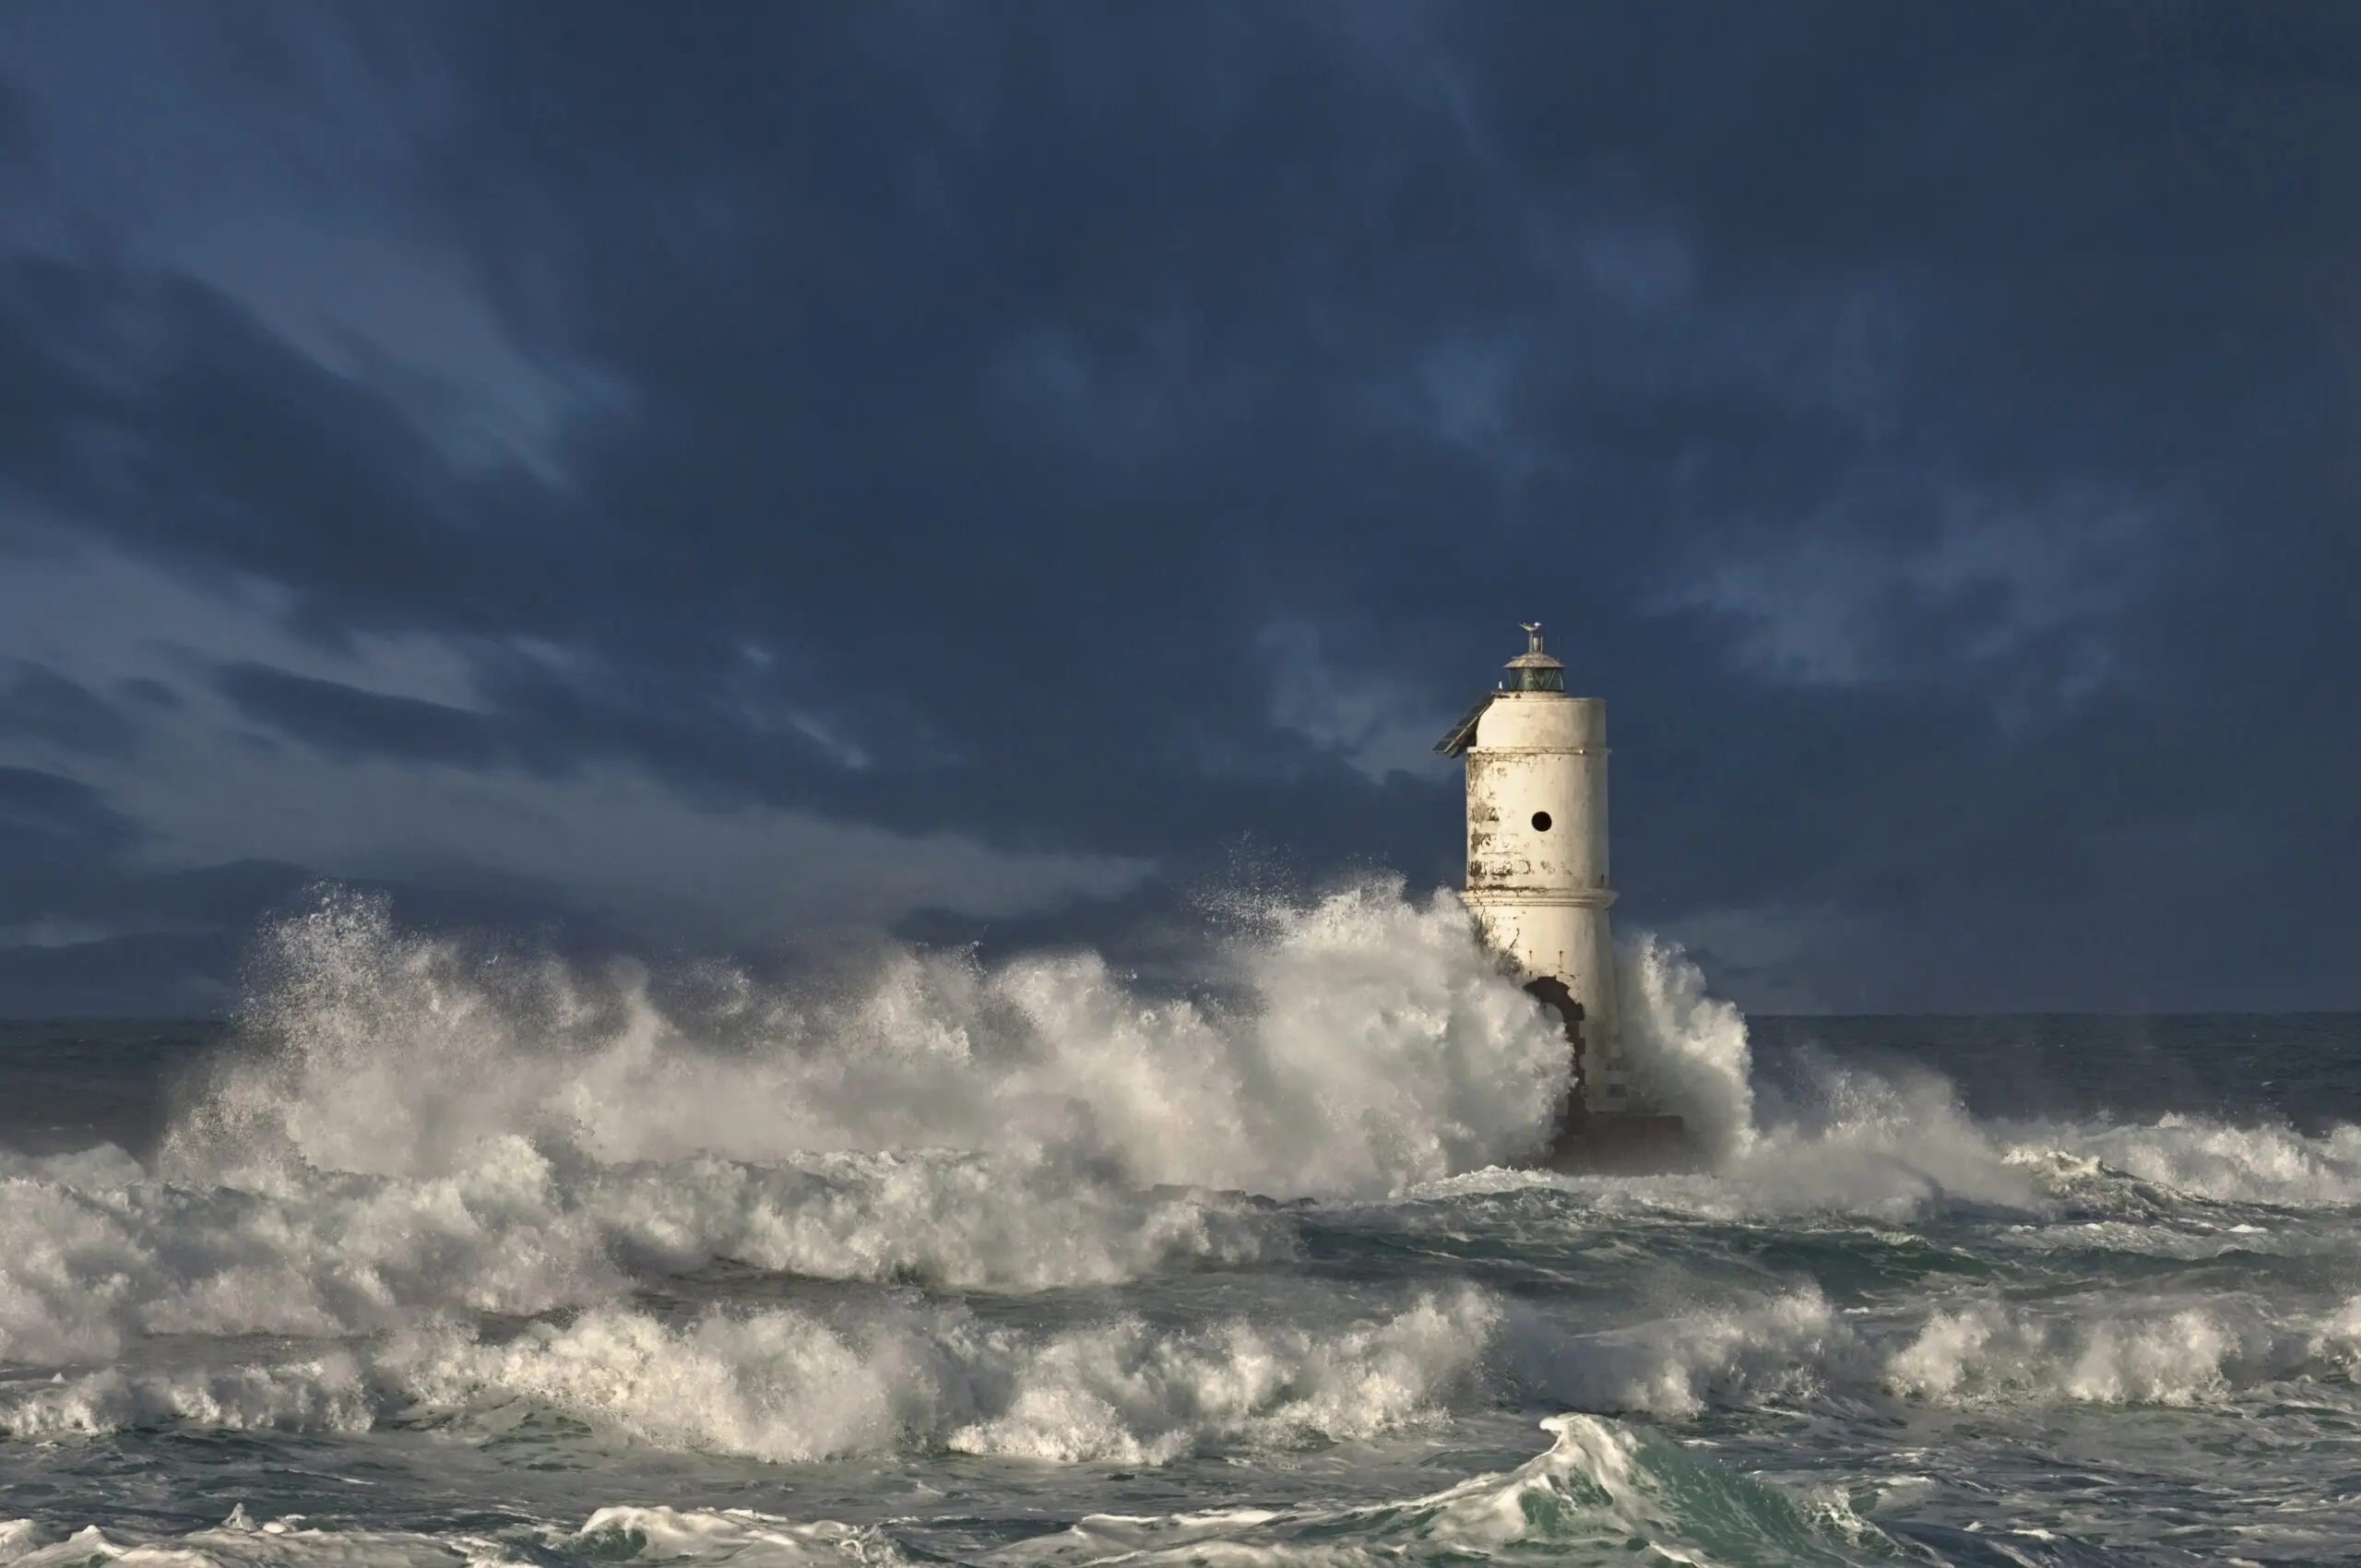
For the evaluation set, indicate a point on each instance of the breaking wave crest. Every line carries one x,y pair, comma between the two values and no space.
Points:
414,1129
791,1384
1030,1213
1689,1052
1603,1492
99,1252
1375,1045
1795,1350
800,1384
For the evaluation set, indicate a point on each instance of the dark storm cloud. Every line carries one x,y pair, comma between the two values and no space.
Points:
349,723
163,412
67,810
1125,431
40,704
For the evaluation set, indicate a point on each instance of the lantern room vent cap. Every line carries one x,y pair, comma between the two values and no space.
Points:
1533,657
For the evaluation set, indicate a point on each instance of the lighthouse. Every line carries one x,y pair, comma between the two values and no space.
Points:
1537,887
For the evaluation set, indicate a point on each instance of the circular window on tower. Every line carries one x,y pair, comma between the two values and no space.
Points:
1541,822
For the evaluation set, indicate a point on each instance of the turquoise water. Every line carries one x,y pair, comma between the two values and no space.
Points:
440,1257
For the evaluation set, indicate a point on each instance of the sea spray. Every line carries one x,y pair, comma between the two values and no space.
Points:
802,1384
459,1236
94,1256
1687,1050
1601,1492
1604,1492
1375,1045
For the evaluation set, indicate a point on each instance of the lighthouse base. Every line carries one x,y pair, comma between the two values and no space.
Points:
1620,1144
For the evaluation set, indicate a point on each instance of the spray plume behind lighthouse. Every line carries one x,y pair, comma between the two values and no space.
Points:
1536,854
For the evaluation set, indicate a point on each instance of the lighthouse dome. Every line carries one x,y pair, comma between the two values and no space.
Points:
1534,671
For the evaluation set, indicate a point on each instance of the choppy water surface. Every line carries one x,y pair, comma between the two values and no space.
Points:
444,1257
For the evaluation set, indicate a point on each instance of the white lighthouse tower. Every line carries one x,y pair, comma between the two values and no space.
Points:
1536,852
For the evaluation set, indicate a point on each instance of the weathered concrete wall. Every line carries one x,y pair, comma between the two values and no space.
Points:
1536,857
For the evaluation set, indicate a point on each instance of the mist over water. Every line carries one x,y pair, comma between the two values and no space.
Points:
450,1253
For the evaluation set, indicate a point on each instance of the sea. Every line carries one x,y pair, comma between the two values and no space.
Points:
444,1252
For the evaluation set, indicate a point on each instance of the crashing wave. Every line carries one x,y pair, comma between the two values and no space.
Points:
789,1384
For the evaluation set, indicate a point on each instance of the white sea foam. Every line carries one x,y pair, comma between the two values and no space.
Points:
933,1216
1604,1492
739,1537
1377,1047
324,1394
1689,1052
2119,1349
422,1136
418,1129
1863,1146
238,1542
1751,1350
1904,1148
1795,1348
793,1385
422,1129
736,1536
97,1253
2252,1164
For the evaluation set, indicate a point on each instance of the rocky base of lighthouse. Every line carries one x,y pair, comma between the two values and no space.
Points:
1622,1144
1592,1142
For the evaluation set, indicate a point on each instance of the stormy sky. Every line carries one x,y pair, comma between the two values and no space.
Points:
711,478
